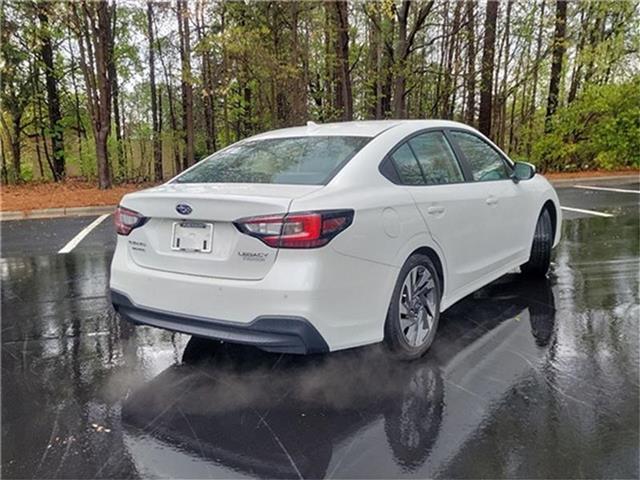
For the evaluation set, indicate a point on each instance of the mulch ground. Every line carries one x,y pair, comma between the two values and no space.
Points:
79,193
71,193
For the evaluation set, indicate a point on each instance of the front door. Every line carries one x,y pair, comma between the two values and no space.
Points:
507,205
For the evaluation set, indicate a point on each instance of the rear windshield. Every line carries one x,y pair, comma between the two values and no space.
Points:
299,160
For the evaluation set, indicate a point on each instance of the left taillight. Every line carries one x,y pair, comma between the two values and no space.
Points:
126,220
297,230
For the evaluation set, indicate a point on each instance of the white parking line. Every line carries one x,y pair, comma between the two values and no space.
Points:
588,212
607,189
73,243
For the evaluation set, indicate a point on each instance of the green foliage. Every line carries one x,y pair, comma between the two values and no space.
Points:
87,162
601,129
26,172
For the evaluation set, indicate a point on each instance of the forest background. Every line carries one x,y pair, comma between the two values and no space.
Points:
126,91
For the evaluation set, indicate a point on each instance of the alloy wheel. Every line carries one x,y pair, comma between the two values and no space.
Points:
417,306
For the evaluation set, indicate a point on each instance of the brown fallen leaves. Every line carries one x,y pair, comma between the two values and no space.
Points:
71,193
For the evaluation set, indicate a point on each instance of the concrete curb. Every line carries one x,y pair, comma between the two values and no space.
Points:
57,212
625,178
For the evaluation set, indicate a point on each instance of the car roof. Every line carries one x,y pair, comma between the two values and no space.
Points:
365,128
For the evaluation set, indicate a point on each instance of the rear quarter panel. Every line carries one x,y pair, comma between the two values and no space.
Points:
387,228
385,219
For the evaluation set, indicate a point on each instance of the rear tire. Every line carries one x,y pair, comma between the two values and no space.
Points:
414,312
540,258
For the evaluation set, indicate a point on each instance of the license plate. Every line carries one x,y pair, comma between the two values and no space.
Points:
192,237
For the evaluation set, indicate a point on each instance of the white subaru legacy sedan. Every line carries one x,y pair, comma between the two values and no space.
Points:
324,237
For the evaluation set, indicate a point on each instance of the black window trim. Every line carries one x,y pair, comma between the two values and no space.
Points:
506,160
387,163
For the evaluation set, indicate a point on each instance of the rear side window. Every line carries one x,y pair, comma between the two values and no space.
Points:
297,160
407,166
437,160
485,162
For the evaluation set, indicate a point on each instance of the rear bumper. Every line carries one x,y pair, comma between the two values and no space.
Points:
344,298
283,334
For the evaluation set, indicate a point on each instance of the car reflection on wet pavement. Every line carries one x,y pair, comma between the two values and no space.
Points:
525,379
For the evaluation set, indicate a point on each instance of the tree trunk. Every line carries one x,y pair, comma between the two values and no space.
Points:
447,93
157,145
400,54
374,61
225,70
534,80
510,145
329,64
594,40
556,62
41,135
471,64
115,89
16,148
296,83
96,48
458,67
3,162
578,61
172,110
207,101
53,97
502,94
516,140
115,95
404,44
187,88
344,96
103,41
208,85
486,79
435,107
102,156
39,139
80,131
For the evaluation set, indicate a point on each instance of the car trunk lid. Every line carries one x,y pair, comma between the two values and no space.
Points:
203,239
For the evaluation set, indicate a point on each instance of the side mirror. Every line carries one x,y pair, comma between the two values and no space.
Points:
523,171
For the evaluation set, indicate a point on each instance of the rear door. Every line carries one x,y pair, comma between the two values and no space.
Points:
427,166
212,209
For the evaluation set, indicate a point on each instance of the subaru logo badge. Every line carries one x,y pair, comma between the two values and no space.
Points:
184,209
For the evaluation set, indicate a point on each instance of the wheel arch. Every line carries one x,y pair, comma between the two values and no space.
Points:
423,243
435,258
551,207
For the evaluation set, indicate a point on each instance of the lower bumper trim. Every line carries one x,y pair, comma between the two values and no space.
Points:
281,334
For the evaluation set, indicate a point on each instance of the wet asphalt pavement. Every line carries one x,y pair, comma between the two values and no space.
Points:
525,379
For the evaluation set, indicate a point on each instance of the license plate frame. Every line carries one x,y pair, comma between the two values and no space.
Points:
192,237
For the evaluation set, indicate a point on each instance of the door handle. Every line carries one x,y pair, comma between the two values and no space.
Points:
435,210
492,200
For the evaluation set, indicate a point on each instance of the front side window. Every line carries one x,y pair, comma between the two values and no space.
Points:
437,160
309,160
485,162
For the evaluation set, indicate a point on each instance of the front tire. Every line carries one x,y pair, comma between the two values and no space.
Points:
540,258
414,312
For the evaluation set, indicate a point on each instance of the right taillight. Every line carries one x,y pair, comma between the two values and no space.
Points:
126,220
297,230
